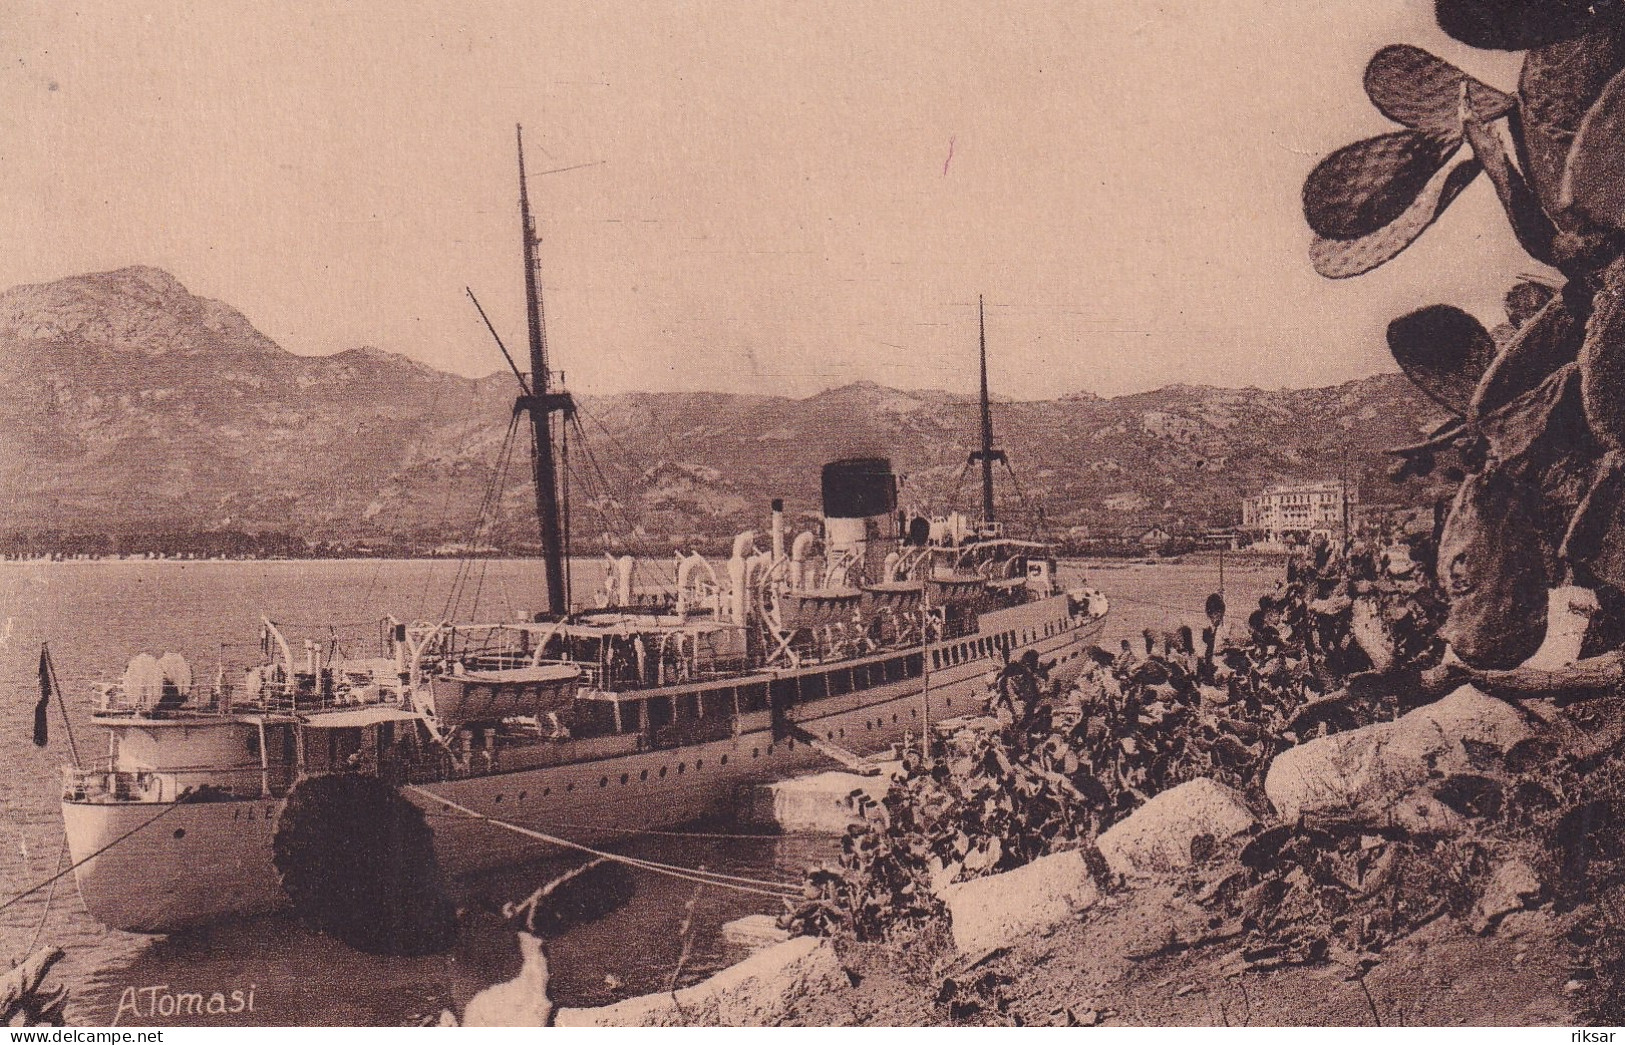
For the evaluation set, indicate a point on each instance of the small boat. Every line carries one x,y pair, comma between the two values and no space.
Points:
647,711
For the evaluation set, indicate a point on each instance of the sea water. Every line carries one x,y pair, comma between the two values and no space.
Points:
96,615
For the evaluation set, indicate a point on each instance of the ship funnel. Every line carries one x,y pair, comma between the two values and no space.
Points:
778,529
860,516
859,488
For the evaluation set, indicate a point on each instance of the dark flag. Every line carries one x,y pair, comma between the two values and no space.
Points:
41,728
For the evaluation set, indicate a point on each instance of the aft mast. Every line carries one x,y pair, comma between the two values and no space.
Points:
542,402
987,454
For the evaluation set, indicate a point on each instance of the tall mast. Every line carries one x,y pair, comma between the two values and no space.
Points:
987,454
542,403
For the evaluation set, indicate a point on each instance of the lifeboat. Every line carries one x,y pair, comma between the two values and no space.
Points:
484,696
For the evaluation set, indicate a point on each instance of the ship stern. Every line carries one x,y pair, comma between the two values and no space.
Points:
157,868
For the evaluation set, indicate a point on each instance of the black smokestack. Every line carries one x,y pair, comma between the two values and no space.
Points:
859,488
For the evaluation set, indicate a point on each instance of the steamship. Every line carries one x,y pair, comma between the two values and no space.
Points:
648,711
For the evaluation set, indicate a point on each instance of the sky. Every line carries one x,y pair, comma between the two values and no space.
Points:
767,196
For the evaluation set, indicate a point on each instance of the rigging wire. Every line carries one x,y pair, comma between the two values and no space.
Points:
454,592
454,597
1037,509
564,484
480,525
670,446
500,485
929,496
440,526
628,528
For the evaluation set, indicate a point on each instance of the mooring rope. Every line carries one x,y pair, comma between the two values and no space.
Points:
625,831
621,831
36,887
759,886
46,914
1190,610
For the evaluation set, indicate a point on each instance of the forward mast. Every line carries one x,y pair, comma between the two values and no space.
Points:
988,452
541,400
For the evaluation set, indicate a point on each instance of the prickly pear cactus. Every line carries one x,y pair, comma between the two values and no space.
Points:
1539,403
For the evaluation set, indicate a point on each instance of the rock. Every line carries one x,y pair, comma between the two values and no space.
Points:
1491,549
1510,888
1569,610
521,1001
756,992
1372,633
1422,814
1364,771
819,804
754,931
993,911
1157,837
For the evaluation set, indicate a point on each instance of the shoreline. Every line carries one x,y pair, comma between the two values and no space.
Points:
1236,560
241,562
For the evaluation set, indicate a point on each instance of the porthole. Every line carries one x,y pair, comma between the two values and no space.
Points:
843,732
180,832
724,760
603,781
755,752
770,749
913,713
499,800
699,764
643,775
522,795
662,772
546,791
571,786
894,718
236,814
792,744
680,767
626,778
831,735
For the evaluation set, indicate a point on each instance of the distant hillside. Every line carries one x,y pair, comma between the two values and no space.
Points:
129,405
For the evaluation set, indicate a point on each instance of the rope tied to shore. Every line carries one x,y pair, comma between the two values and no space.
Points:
739,883
50,896
36,887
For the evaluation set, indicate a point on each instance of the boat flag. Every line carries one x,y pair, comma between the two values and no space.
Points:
42,731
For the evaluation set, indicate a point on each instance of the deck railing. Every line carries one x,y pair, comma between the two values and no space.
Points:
99,782
270,698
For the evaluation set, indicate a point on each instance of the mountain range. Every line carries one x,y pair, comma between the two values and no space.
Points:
129,405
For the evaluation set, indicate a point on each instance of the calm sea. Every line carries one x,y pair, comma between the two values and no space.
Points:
96,615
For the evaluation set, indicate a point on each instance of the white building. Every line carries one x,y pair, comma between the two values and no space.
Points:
1300,512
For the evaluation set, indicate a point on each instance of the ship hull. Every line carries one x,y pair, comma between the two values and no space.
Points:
204,862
